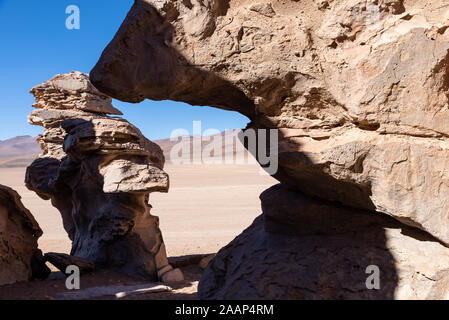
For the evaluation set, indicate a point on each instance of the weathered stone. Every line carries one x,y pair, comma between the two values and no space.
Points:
72,91
174,275
62,261
265,9
98,172
115,291
205,261
189,260
358,89
123,175
302,248
19,232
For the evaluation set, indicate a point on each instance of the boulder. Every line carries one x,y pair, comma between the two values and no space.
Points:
62,261
185,261
21,260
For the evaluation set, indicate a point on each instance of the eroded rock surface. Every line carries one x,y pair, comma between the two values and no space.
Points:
301,248
358,90
20,258
98,172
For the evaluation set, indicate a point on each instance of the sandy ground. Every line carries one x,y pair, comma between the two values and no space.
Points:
49,289
207,207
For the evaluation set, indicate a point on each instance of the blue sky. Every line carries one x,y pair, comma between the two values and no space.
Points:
36,45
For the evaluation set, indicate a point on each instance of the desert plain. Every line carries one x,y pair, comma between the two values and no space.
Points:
207,207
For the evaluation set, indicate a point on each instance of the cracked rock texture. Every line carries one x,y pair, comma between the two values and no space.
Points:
20,258
98,172
358,90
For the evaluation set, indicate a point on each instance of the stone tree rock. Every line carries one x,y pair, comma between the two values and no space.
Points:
20,258
357,89
62,261
98,172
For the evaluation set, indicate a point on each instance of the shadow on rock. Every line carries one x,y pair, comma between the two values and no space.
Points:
304,248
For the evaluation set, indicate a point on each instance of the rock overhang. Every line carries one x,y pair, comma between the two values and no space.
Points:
358,89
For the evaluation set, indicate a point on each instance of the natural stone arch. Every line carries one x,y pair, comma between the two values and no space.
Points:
359,109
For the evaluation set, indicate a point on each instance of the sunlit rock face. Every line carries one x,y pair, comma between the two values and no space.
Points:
98,171
358,89
20,258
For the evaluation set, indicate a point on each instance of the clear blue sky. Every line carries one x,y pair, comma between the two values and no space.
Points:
36,45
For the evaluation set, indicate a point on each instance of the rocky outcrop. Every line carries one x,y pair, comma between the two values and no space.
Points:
62,261
303,248
358,90
20,258
98,172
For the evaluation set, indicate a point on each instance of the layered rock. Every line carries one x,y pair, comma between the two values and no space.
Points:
20,258
98,172
358,90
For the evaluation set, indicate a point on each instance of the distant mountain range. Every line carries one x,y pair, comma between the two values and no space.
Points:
21,151
18,151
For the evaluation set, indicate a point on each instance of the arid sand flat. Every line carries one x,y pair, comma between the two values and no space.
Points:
207,206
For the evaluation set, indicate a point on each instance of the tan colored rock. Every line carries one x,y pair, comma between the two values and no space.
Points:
118,292
205,261
19,232
98,172
265,9
358,89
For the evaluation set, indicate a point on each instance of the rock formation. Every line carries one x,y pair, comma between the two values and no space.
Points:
20,258
98,171
358,90
303,248
62,261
